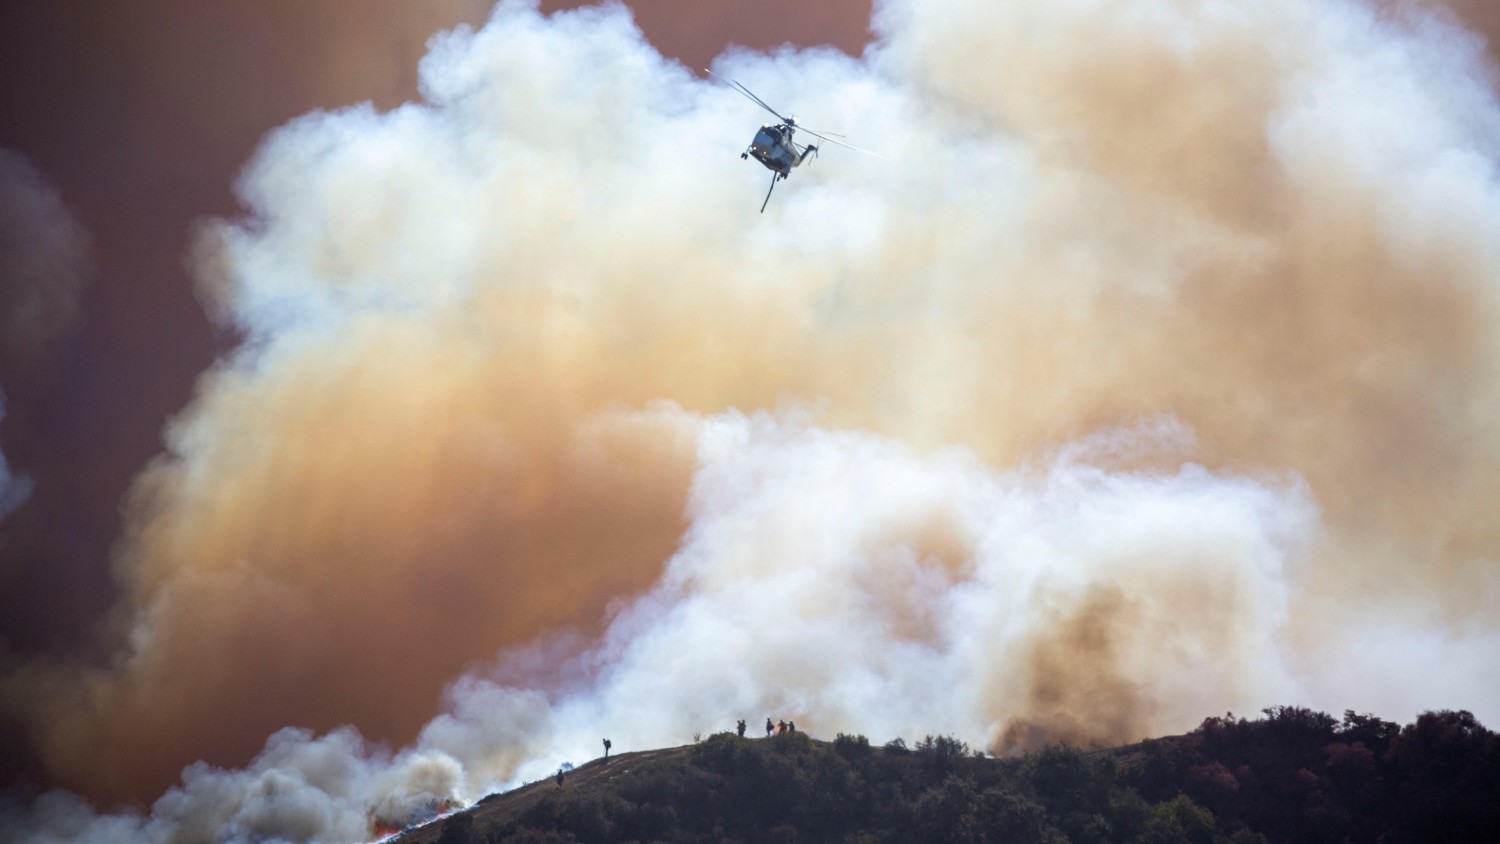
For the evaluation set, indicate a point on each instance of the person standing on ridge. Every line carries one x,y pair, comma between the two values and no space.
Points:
769,725
607,746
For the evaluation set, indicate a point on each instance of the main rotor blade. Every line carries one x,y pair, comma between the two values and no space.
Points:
751,94
748,93
827,136
841,143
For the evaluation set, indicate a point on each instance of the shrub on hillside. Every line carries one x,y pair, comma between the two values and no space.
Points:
851,747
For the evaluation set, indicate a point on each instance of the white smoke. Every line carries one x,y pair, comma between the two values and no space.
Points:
1147,377
845,582
842,581
300,788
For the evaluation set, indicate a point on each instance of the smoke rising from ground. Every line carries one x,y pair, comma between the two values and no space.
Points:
1148,376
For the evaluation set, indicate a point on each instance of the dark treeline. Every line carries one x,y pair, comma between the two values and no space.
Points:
1295,775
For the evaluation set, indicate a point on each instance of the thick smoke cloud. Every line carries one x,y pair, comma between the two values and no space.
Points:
1147,376
832,577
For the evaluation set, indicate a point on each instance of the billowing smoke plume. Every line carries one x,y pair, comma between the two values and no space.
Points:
1148,375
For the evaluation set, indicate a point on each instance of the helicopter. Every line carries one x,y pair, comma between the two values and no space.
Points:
773,145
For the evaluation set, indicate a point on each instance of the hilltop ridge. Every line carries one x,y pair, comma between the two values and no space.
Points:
1295,775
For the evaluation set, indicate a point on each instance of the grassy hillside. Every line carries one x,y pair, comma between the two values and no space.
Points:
1294,776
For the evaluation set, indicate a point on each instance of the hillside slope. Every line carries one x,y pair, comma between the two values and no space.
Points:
1292,776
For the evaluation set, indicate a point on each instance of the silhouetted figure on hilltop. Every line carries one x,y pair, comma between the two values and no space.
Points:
791,726
607,746
559,777
780,727
769,726
740,727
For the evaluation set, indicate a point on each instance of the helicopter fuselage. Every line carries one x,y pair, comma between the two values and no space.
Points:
774,148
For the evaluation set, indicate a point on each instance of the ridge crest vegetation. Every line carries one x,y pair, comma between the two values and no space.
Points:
1294,775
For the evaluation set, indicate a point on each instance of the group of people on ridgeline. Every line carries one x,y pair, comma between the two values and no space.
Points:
772,727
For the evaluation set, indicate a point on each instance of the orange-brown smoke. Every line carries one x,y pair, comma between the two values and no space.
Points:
333,566
1075,691
1333,301
1273,222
